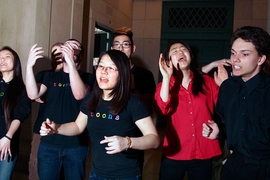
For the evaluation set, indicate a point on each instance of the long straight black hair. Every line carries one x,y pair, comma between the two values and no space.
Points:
15,87
122,90
198,80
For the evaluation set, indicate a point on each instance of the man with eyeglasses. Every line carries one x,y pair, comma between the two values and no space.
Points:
144,82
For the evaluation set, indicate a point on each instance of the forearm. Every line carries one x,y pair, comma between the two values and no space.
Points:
30,84
207,68
164,91
149,141
78,87
14,126
68,129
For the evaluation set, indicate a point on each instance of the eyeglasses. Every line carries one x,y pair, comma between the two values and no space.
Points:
125,45
108,68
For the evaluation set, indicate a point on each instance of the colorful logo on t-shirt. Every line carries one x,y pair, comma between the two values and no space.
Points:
105,116
2,94
61,84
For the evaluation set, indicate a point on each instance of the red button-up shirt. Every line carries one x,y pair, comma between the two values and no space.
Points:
185,114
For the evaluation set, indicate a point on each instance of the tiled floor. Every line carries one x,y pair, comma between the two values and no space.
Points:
150,171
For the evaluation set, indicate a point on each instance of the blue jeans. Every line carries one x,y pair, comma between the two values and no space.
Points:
94,176
7,166
50,160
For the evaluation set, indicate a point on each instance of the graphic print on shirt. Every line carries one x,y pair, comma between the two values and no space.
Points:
105,116
55,84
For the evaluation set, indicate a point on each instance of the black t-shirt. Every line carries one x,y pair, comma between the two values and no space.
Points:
144,81
101,123
21,112
87,78
62,107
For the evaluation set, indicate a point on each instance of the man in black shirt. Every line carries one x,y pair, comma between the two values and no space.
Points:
143,80
243,105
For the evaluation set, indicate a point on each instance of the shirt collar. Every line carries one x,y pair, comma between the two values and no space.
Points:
252,83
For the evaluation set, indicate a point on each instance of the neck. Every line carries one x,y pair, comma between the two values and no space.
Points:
106,95
7,76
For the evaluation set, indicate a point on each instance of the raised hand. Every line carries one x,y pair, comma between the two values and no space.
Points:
34,54
221,75
165,67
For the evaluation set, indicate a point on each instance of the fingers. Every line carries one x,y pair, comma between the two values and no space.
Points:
47,127
113,144
207,130
226,62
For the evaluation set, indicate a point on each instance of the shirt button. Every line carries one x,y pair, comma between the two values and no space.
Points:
193,135
190,113
192,124
243,114
244,97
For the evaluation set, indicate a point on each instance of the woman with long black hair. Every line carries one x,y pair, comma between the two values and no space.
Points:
15,108
187,98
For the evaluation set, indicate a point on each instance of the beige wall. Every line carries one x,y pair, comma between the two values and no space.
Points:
24,23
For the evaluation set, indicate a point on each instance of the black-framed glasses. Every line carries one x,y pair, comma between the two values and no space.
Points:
125,45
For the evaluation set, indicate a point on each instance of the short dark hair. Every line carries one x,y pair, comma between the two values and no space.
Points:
257,36
124,31
122,91
82,48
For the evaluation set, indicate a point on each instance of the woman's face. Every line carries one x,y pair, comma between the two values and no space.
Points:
106,74
180,56
6,61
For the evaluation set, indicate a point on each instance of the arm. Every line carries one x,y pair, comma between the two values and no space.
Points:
5,141
79,89
33,91
166,71
48,127
149,140
208,67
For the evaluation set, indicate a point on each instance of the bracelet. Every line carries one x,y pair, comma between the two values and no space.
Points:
8,137
129,142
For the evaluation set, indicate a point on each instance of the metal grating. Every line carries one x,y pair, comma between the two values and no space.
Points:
204,17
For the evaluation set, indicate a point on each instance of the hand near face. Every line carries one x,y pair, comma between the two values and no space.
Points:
34,54
221,75
56,57
165,67
68,54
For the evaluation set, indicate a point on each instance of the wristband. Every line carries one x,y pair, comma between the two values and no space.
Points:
129,142
8,137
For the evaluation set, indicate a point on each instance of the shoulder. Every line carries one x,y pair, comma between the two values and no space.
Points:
139,69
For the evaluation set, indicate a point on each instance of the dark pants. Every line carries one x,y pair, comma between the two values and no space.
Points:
175,169
237,167
50,160
94,176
